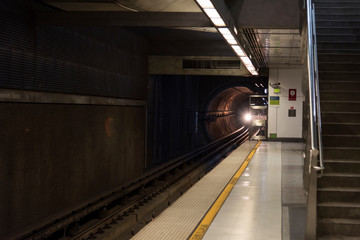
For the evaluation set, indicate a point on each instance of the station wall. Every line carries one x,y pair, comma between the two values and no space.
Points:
56,157
279,122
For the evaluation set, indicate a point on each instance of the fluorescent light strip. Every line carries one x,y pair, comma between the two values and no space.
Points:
236,47
212,13
228,37
205,3
218,22
238,50
246,60
248,64
216,19
224,31
250,68
231,41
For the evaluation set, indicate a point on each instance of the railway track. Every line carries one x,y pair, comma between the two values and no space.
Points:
125,211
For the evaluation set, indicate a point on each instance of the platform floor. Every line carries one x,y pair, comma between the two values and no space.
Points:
267,202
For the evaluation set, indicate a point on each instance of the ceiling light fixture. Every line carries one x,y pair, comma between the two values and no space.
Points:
231,41
218,22
224,31
212,13
205,3
229,37
254,72
209,9
238,50
246,60
250,68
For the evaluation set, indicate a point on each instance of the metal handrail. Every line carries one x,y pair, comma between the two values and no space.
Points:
318,108
316,144
314,93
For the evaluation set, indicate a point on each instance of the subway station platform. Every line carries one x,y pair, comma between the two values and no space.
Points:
254,193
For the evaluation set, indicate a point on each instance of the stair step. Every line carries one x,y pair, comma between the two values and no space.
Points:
338,226
332,11
341,140
337,23
337,4
339,96
340,50
340,106
338,194
340,128
345,86
343,167
337,30
336,66
327,46
329,75
337,237
340,117
341,153
339,58
339,210
337,17
338,180
337,38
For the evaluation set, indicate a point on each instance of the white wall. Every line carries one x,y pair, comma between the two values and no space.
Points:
278,120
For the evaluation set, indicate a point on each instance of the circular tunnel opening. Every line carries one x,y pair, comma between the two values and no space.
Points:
227,111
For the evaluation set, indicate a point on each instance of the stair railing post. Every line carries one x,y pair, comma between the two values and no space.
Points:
311,213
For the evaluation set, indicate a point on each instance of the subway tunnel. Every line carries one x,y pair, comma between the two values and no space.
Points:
192,111
99,98
226,112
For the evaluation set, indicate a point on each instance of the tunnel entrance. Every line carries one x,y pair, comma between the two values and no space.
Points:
187,112
226,111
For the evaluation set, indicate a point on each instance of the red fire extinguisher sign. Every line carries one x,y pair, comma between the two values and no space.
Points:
292,94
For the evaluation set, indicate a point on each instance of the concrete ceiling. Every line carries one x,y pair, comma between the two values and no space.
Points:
126,5
179,28
281,47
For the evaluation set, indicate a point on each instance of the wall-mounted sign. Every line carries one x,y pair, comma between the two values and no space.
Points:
292,113
274,100
276,90
292,94
273,135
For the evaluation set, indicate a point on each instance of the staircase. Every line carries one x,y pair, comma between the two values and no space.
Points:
338,38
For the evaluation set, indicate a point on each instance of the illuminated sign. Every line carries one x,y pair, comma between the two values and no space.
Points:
274,100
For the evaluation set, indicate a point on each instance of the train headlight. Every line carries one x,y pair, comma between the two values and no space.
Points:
247,117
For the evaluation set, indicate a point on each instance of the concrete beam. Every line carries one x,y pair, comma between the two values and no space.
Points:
124,19
283,14
21,96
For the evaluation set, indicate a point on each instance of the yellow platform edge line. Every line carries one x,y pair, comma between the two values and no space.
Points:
210,215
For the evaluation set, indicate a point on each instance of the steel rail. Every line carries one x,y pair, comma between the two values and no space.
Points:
199,155
111,218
